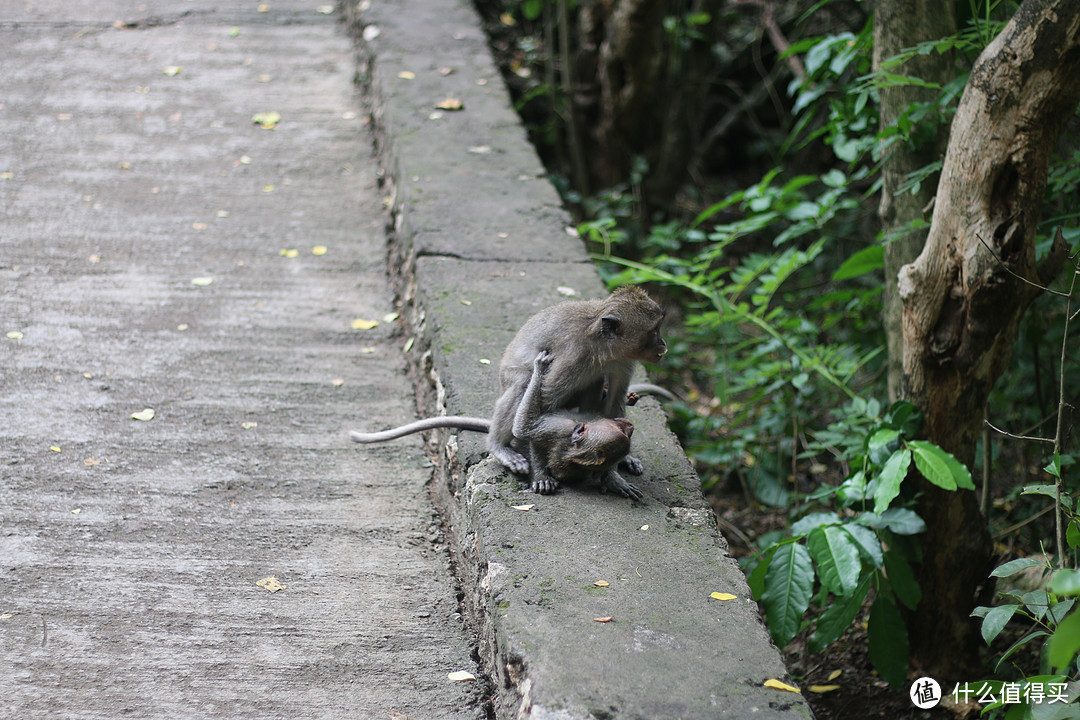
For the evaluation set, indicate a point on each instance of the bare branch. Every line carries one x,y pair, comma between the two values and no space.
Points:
1017,437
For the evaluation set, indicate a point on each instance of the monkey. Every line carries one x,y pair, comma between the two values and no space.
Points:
564,446
595,346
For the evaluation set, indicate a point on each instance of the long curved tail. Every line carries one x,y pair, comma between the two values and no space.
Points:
462,422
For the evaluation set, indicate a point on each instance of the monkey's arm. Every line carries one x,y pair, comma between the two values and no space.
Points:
529,409
461,422
614,482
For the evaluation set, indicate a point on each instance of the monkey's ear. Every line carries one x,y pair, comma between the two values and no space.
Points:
609,326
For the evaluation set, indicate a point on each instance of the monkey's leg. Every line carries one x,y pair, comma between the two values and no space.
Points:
613,482
501,434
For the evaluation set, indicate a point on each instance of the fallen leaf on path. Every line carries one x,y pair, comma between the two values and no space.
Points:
271,584
371,32
171,70
723,596
523,508
485,361
461,676
249,425
266,120
823,688
144,415
835,674
7,616
407,75
319,250
91,462
76,511
643,528
14,335
202,281
390,317
603,619
602,583
362,324
451,104
55,448
777,685
444,71
289,252
337,382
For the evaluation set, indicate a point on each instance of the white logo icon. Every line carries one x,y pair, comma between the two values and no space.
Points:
925,693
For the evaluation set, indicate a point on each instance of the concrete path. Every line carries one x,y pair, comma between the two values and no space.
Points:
143,219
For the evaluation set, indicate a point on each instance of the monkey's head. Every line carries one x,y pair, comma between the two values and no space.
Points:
630,322
599,444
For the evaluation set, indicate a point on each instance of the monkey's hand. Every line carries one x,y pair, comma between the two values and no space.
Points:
632,465
544,484
511,459
542,362
613,482
632,398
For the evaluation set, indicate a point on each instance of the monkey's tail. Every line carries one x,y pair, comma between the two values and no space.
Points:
650,389
461,422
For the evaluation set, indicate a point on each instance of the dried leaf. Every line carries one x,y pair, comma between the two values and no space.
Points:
202,281
171,70
523,508
451,104
337,382
407,75
362,324
91,462
7,616
777,685
643,528
823,688
444,71
566,291
602,583
723,596
144,415
603,619
271,584
461,676
249,425
14,335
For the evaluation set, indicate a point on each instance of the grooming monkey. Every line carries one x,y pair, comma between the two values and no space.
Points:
563,446
594,346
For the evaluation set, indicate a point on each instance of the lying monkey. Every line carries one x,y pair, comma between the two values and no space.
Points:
595,345
563,446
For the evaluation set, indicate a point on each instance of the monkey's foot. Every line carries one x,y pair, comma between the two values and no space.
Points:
545,485
512,460
613,482
632,465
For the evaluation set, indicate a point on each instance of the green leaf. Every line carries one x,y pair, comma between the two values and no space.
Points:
894,472
931,463
995,621
881,438
837,559
902,579
789,584
868,543
1072,534
1014,566
864,261
756,578
1065,582
812,521
838,617
888,641
1063,644
898,520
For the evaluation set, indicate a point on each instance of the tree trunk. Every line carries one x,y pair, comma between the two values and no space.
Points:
900,24
962,299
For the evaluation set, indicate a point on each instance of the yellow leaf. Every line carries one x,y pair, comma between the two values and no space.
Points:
461,676
507,19
7,616
266,120
602,583
406,75
14,335
723,596
202,281
603,619
55,448
318,250
268,188
451,104
144,415
249,425
76,511
835,674
485,361
289,252
776,684
183,327
389,317
171,70
362,324
271,584
6,175
823,688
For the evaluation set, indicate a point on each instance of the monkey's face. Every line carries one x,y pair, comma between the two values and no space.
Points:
601,443
653,347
